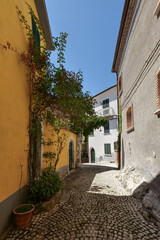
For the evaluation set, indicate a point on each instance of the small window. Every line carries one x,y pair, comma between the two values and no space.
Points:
35,32
106,128
129,118
158,92
107,148
120,84
106,103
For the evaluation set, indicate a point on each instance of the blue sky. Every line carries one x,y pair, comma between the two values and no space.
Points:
92,27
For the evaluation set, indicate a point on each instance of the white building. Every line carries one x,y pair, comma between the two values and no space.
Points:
102,142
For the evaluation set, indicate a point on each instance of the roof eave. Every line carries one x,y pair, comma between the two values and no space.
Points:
123,19
104,91
43,17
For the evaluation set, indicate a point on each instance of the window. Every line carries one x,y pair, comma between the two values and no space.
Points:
120,84
106,103
158,92
129,118
36,33
106,128
107,148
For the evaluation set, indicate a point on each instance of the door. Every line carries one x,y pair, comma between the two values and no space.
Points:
70,156
92,155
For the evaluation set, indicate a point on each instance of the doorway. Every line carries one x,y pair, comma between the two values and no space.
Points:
92,155
71,159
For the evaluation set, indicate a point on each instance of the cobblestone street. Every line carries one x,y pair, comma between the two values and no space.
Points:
91,207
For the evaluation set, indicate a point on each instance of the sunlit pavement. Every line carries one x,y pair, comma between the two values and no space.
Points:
93,206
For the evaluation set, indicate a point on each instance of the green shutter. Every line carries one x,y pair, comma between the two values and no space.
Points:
106,128
107,148
35,32
106,103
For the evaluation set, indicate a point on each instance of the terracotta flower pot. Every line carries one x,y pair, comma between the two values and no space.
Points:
22,219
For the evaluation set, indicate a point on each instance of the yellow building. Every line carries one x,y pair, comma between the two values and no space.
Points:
15,102
67,160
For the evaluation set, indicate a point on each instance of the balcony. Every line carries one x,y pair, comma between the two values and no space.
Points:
106,112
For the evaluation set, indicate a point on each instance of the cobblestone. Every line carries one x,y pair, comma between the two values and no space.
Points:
91,209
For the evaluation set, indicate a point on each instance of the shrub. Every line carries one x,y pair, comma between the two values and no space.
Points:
44,187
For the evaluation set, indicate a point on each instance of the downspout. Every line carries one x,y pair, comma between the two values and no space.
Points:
118,152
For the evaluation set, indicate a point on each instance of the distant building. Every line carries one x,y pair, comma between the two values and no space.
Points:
137,64
102,142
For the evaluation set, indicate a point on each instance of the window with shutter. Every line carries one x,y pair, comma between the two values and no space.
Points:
129,119
35,32
106,103
107,148
158,92
106,128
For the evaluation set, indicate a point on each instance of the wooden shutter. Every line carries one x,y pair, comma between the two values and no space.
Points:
106,128
36,32
107,148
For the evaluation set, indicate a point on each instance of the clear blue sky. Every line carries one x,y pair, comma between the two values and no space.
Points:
92,27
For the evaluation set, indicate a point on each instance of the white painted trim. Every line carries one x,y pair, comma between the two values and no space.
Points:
157,112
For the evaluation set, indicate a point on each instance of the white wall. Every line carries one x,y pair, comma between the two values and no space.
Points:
99,138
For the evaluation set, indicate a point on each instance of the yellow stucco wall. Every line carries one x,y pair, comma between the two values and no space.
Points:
14,99
64,160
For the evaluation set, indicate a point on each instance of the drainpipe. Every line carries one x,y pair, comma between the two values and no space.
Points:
119,137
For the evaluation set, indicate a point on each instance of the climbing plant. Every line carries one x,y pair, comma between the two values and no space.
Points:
56,94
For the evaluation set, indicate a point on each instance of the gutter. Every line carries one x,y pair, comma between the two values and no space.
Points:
129,32
124,15
43,17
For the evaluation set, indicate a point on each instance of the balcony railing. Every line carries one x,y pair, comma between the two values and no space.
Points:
106,112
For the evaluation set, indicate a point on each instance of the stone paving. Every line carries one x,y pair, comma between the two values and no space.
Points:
91,209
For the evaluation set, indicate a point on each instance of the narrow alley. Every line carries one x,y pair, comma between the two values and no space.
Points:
92,206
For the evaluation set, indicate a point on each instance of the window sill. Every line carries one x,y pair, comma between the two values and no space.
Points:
157,112
157,10
108,155
130,129
107,133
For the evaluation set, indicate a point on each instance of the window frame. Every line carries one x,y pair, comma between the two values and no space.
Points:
157,112
107,154
129,121
107,131
103,104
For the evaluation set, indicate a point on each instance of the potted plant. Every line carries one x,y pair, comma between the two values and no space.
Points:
23,214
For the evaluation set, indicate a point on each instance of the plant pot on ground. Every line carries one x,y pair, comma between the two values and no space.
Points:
23,214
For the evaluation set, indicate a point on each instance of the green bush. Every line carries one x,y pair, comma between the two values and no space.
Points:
44,187
23,209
